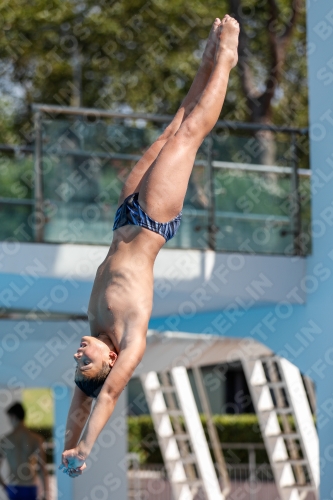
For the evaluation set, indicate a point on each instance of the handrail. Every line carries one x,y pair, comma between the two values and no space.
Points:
72,110
244,446
38,178
17,201
277,219
228,165
271,169
13,148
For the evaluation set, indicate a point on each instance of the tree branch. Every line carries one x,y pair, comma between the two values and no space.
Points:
296,5
278,48
274,10
246,76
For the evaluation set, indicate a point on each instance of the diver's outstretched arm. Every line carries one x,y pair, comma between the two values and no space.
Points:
73,459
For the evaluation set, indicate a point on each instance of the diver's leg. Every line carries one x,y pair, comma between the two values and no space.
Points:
164,186
132,183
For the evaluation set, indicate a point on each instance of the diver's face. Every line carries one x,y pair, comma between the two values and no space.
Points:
91,355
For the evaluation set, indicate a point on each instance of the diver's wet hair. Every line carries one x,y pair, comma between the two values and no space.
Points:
92,386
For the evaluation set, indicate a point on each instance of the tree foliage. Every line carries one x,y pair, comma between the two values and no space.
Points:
144,54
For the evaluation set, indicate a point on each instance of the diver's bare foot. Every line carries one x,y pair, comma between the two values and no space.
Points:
227,33
208,56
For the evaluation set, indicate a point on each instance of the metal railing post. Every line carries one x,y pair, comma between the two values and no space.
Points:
296,201
211,206
39,219
252,473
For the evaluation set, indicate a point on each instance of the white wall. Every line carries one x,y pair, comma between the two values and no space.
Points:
59,278
105,476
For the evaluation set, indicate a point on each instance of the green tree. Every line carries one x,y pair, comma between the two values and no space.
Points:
267,69
144,54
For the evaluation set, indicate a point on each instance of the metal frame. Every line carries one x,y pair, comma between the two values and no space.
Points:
277,391
53,111
212,228
251,167
212,431
38,172
199,443
168,443
70,110
182,442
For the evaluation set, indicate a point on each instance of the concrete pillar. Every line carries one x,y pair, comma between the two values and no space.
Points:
106,473
320,367
62,398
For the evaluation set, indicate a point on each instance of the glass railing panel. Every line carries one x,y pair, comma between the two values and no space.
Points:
305,199
270,149
87,159
90,218
16,176
79,222
88,179
16,222
82,161
251,235
112,136
253,211
16,197
82,186
83,195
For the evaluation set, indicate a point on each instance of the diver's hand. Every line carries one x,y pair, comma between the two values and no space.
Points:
73,462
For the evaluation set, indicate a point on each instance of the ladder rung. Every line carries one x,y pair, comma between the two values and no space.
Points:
293,461
276,385
289,435
168,388
172,413
164,388
182,437
175,413
189,460
280,410
267,359
191,482
283,411
301,487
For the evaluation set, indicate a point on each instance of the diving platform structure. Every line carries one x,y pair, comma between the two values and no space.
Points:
193,463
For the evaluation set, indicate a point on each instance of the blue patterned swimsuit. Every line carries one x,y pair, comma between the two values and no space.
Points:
131,213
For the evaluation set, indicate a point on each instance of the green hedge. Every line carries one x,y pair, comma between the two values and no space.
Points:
231,429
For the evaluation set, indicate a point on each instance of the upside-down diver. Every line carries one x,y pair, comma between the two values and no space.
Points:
149,214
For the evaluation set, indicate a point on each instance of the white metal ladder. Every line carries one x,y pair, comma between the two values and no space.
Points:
180,435
280,399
